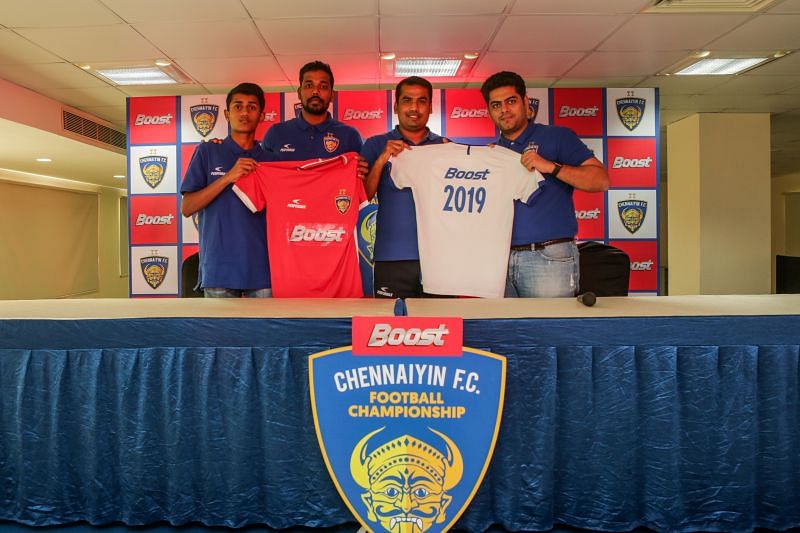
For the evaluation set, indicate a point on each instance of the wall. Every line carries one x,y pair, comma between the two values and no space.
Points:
784,189
110,284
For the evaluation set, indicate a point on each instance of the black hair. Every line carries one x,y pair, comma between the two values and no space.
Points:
413,80
247,88
314,66
503,79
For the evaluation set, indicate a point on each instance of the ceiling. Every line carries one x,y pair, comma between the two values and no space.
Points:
551,43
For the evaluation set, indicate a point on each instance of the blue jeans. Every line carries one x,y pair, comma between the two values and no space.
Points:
548,273
215,292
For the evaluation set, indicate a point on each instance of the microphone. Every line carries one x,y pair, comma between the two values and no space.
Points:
587,298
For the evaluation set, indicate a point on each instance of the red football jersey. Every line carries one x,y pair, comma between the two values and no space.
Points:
312,211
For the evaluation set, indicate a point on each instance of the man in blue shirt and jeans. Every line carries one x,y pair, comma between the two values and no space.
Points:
544,255
233,241
397,269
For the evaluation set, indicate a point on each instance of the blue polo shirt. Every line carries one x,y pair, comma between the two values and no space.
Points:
552,215
233,241
297,140
396,223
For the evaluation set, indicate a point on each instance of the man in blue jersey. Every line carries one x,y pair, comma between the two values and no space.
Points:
233,243
314,133
544,255
397,268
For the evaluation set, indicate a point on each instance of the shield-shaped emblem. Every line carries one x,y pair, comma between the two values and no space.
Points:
343,201
366,232
330,142
533,104
630,111
154,269
632,213
196,220
298,109
204,117
407,439
153,168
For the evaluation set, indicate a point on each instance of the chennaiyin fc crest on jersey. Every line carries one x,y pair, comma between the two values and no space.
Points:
630,111
154,269
330,142
632,213
406,437
204,117
153,168
343,201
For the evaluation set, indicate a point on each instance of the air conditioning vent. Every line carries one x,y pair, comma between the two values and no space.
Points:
709,6
92,130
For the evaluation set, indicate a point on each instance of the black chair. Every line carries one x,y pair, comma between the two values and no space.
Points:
787,274
605,270
190,272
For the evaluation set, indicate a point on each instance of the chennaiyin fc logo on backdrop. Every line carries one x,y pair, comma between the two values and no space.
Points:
632,213
533,106
407,420
153,168
154,269
630,111
204,116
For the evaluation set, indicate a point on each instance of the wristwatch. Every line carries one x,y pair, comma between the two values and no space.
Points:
556,169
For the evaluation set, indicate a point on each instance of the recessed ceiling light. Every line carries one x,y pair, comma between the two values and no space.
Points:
388,56
44,160
85,67
471,55
120,176
781,53
163,63
720,66
136,76
702,53
426,66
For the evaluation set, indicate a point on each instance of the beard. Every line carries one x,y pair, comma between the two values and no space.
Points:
319,110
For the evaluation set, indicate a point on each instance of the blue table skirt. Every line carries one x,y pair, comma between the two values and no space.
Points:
671,423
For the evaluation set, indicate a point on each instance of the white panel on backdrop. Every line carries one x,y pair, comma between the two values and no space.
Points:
291,106
153,169
539,98
435,120
632,214
203,118
596,146
189,233
154,270
630,112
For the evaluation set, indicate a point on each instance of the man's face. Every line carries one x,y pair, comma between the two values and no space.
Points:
406,500
315,92
509,110
244,113
413,107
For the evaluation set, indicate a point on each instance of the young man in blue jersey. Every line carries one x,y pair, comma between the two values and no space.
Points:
233,243
313,134
397,268
544,255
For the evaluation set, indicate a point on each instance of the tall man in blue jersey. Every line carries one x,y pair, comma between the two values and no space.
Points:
313,134
397,269
544,255
233,241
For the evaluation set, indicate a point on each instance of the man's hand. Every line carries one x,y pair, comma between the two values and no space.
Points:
243,167
533,161
363,168
392,148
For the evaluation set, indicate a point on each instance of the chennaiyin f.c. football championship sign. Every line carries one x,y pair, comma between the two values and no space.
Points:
407,419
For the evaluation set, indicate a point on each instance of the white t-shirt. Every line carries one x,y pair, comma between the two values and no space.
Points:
464,198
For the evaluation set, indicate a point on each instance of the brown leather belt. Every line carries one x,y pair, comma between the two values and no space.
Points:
535,246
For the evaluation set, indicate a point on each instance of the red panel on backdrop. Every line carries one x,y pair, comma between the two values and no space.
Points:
153,120
188,250
590,212
366,111
466,115
581,110
632,162
643,255
154,219
187,151
272,114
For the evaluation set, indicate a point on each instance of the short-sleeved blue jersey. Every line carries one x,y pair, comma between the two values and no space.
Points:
396,223
552,215
233,241
297,140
